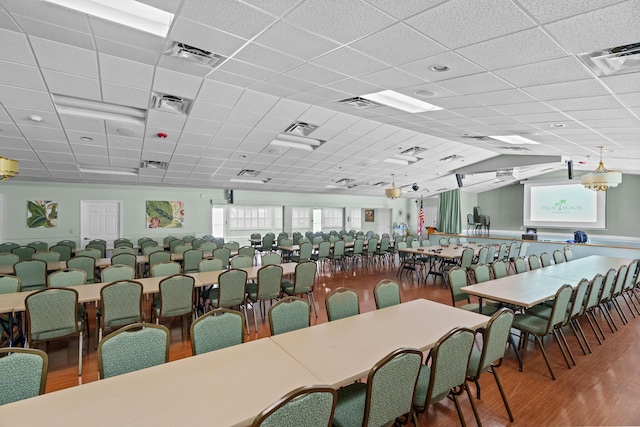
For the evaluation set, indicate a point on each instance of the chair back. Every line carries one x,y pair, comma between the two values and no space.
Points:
560,306
311,405
358,246
491,254
196,243
457,278
219,328
208,247
324,248
545,259
189,238
467,258
144,239
121,304
513,250
520,265
151,247
176,296
232,246
86,264
117,272
595,291
305,277
9,259
372,246
522,252
271,258
241,261
69,243
63,250
483,254
617,287
249,251
173,244
558,256
415,243
98,246
269,282
499,269
223,254
502,252
386,293
168,239
210,264
167,268
90,252
122,242
67,277
494,341
52,313
24,252
391,385
158,257
267,242
449,362
568,253
534,262
338,249
443,241
288,314
191,260
134,347
306,249
342,302
124,259
23,373
629,278
180,249
219,241
424,243
232,285
8,246
9,284
39,246
32,274
482,273
384,244
285,241
577,301
607,286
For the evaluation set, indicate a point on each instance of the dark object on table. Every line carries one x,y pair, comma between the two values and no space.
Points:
580,237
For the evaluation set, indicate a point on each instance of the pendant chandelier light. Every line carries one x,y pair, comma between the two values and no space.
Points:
8,168
602,178
393,192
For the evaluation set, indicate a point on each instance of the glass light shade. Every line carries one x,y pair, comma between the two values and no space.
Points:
8,168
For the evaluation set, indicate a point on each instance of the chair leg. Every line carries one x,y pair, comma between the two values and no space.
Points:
255,318
455,399
312,301
544,354
592,327
473,404
80,354
562,343
618,308
579,333
504,397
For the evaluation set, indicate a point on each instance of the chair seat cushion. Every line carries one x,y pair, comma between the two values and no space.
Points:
287,286
350,406
531,324
56,333
540,310
252,291
422,387
487,310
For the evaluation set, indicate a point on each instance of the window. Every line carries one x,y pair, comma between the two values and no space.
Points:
217,222
332,218
356,218
300,218
250,218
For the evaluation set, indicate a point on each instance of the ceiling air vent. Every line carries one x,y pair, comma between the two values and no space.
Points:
300,129
358,102
249,173
521,149
153,164
615,60
345,181
477,137
378,184
170,103
450,158
193,54
413,151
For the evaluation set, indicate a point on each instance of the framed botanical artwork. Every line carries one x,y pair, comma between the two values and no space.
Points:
165,214
369,215
42,213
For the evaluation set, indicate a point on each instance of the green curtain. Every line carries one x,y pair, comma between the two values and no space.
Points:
449,212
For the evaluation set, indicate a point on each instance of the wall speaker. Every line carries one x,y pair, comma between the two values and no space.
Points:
459,177
229,196
570,169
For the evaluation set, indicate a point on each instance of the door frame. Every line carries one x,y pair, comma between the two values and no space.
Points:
83,207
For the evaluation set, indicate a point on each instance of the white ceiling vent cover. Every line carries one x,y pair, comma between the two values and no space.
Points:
249,173
153,164
615,60
170,103
300,129
194,54
359,103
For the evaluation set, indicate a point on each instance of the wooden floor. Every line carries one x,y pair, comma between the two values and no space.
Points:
600,390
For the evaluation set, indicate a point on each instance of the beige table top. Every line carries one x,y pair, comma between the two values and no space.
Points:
10,300
51,266
533,287
344,350
211,277
449,252
229,386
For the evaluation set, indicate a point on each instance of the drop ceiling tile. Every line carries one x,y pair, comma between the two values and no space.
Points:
22,116
171,123
497,120
15,48
65,58
294,41
125,72
630,99
555,71
193,139
507,51
355,87
315,74
287,109
183,66
335,19
477,83
231,132
88,150
349,62
269,89
246,70
523,108
575,89
232,79
124,142
624,83
458,67
8,23
473,112
219,93
133,155
200,126
554,117
459,23
125,95
56,33
131,53
256,102
274,124
25,98
227,15
509,96
178,84
316,115
43,133
67,84
404,8
290,83
553,11
391,78
209,111
205,37
127,130
586,103
383,45
12,74
600,29
327,94
612,114
126,35
277,7
267,58
243,118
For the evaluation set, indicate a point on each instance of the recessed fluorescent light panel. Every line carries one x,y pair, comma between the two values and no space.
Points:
98,110
399,101
300,143
126,12
514,139
110,171
249,180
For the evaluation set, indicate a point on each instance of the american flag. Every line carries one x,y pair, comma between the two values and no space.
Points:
420,218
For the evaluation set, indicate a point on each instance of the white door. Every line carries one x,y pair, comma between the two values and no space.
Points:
100,220
317,220
383,221
217,222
